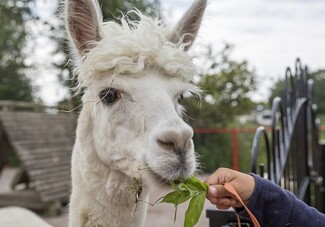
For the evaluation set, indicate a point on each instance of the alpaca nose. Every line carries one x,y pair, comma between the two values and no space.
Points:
176,139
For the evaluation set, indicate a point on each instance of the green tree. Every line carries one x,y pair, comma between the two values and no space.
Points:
111,7
319,92
227,84
14,85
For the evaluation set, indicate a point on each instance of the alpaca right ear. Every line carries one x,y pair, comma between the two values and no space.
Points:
82,18
188,27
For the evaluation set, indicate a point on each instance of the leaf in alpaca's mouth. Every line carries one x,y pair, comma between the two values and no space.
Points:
183,190
190,189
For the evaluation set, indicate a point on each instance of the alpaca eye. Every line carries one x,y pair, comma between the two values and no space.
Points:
180,97
108,96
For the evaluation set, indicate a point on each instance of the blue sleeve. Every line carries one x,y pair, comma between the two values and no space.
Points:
274,206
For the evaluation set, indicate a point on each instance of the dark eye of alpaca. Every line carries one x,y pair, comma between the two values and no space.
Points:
108,96
180,97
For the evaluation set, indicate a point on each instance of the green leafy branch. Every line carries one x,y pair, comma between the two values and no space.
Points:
192,189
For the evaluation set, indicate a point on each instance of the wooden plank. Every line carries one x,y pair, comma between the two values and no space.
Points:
46,165
63,154
50,159
40,136
49,171
35,115
46,186
44,143
62,127
54,175
48,150
28,144
61,194
64,174
54,156
26,198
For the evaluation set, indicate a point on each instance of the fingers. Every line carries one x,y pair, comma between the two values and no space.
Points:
218,191
220,176
220,197
243,183
225,203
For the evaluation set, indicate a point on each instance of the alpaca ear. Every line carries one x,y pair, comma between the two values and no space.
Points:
189,24
82,24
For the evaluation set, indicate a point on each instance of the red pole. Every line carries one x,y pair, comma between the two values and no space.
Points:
234,137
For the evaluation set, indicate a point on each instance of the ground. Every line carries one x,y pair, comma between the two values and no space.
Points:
160,215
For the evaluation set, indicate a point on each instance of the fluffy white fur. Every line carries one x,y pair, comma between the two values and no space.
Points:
141,136
20,217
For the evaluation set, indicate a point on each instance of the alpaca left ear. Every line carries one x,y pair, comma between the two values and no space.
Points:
83,18
189,24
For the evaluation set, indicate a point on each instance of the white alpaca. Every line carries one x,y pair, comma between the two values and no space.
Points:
20,217
130,129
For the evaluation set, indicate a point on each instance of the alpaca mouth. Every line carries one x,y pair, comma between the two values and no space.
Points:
178,174
159,178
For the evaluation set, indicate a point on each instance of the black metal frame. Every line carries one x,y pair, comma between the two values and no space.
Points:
294,155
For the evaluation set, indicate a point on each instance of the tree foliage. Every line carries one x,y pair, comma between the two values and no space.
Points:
227,84
14,85
319,92
111,8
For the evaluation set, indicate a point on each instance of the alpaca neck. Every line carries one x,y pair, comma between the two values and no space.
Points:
104,197
116,203
101,193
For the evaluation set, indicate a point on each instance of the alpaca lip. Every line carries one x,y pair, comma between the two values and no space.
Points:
158,177
166,181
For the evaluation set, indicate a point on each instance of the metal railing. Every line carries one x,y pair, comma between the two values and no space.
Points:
293,154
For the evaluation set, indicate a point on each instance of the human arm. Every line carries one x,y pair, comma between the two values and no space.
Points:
271,205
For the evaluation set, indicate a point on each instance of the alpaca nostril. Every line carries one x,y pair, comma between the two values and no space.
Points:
174,143
176,137
166,145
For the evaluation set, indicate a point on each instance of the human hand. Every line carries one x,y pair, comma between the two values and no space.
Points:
243,183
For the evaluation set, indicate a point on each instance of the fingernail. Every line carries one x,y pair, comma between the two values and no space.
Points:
212,191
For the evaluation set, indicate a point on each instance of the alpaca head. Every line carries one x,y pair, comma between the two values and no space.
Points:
133,74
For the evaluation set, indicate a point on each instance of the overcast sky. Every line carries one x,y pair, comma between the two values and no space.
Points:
270,34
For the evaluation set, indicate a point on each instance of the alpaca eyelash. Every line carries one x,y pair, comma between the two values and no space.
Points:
180,97
183,95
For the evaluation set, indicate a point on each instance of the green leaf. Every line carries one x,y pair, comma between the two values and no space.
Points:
176,197
194,209
195,184
193,189
175,186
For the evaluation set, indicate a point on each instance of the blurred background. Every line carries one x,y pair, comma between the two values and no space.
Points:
242,51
